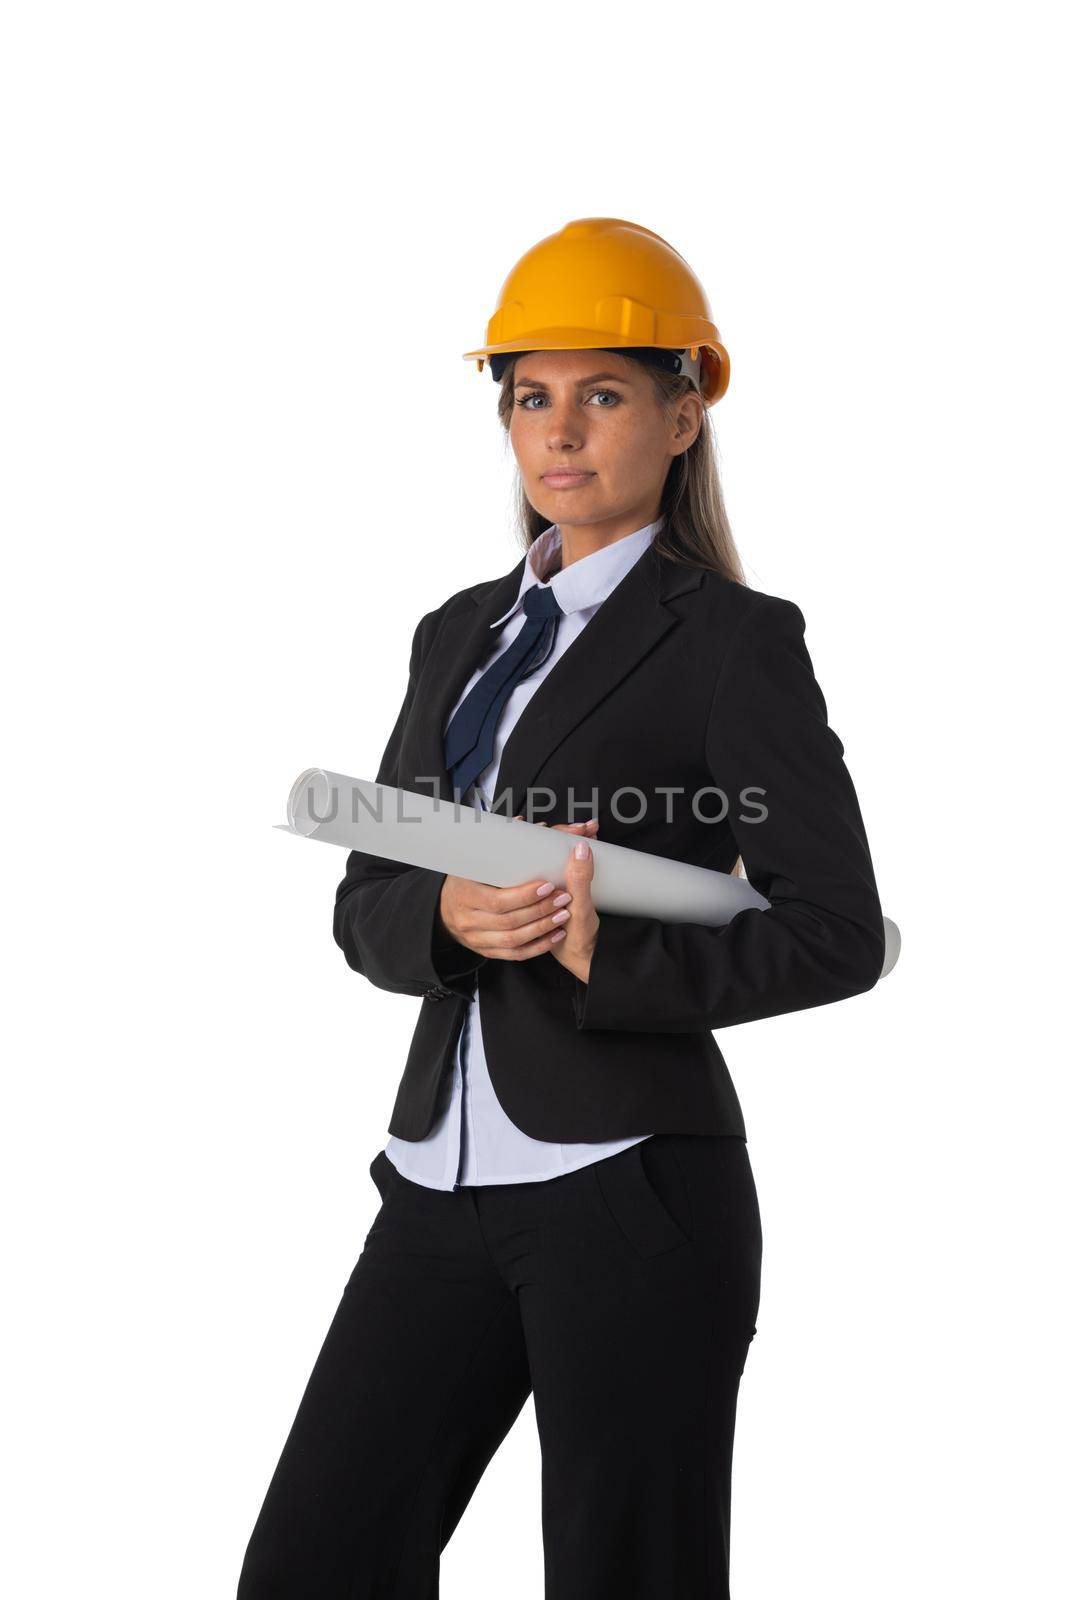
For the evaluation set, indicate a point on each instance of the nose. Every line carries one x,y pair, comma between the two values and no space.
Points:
564,431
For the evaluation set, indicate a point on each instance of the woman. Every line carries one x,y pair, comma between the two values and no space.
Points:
568,1207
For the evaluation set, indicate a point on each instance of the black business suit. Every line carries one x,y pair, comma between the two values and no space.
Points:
682,678
622,1294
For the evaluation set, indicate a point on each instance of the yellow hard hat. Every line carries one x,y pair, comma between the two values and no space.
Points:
604,284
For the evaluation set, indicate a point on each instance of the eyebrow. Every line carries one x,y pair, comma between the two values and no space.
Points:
579,383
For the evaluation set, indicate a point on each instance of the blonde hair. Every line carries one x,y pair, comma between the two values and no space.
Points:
696,530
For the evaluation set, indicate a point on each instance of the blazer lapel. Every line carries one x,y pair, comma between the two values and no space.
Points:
462,641
632,620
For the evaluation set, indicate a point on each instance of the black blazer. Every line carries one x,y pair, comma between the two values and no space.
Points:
681,679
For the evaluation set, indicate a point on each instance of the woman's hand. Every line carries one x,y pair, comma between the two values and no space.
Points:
515,924
575,952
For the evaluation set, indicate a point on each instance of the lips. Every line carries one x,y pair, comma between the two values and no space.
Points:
565,479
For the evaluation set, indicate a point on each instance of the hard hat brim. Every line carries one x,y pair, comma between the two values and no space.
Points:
583,339
718,370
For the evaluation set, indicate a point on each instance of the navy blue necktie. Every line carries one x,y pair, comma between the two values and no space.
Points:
470,736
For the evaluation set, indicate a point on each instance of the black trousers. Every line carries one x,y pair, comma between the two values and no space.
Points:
623,1294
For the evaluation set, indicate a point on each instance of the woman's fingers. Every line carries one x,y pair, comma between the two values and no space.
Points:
507,922
520,913
528,947
566,827
520,942
519,921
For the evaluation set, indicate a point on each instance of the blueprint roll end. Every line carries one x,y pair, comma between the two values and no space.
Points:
892,946
309,802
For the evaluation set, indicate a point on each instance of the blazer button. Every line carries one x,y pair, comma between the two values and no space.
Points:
435,992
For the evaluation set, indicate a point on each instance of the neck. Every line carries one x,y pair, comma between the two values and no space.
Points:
582,539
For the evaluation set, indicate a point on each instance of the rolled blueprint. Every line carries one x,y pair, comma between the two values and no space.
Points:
431,831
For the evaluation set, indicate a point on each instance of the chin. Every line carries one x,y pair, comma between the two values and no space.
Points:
567,505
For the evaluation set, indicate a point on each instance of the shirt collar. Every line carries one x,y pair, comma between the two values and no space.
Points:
584,583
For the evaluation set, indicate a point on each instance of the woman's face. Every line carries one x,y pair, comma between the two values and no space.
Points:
591,438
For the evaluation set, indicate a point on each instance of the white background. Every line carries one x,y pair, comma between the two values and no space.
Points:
246,247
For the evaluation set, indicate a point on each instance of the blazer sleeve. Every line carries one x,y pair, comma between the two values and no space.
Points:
823,937
386,914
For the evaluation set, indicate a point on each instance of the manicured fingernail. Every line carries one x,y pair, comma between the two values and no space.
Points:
581,849
561,900
546,888
557,935
561,916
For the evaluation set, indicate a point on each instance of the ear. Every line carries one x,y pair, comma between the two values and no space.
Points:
688,413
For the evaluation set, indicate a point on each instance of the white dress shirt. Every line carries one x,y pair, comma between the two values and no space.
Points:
473,1140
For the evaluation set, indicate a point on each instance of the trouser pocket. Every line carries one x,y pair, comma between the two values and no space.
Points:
644,1189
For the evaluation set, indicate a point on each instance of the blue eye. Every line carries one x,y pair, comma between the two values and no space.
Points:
537,395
